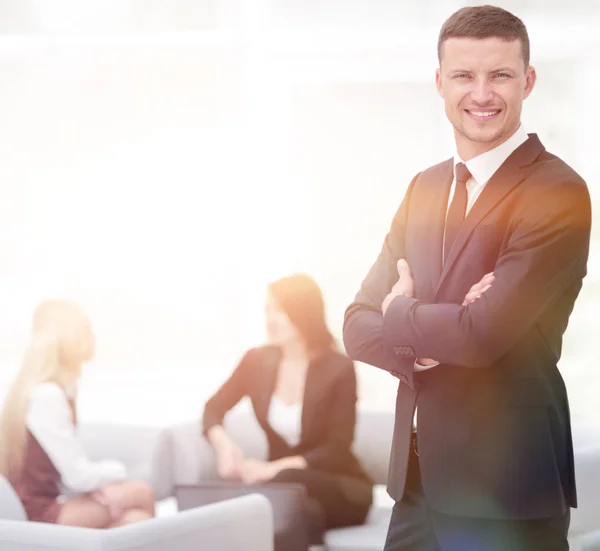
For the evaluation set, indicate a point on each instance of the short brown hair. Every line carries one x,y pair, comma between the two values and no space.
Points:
485,22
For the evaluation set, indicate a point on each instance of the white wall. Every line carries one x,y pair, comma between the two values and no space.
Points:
161,161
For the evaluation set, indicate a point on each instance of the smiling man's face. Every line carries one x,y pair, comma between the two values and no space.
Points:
483,83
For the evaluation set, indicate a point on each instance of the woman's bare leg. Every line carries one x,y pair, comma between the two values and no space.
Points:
85,512
136,498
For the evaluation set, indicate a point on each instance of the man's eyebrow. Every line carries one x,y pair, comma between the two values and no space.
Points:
453,71
458,70
503,70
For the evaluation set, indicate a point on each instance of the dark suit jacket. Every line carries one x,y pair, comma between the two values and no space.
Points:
493,428
328,409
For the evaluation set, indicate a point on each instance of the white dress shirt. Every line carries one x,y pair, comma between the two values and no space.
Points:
482,168
49,419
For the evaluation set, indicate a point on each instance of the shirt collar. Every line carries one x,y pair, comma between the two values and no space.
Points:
484,166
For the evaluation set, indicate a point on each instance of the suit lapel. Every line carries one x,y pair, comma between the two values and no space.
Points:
512,172
317,384
272,358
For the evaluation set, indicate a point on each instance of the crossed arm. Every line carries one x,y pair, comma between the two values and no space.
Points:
545,256
404,287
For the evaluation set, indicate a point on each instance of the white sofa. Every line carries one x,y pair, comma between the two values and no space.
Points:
206,527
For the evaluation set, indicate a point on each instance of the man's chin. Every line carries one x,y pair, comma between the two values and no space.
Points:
483,135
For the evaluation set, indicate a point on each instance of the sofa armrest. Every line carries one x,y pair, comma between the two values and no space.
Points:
586,518
591,542
208,527
193,456
38,536
11,507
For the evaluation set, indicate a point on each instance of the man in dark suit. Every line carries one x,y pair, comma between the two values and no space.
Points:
467,304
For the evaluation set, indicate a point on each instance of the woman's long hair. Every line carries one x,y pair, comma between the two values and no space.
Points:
60,341
301,299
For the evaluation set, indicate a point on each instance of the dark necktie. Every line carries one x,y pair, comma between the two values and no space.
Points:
458,207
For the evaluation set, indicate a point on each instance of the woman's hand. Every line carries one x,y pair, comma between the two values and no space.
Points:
111,502
255,470
229,455
230,458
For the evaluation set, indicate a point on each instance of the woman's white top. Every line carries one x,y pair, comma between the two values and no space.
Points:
49,419
286,420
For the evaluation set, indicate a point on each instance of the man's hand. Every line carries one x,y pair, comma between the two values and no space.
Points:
479,288
405,286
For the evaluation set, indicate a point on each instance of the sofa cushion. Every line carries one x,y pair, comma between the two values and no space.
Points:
147,452
373,442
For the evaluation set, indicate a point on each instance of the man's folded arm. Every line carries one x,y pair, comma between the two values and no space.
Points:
545,256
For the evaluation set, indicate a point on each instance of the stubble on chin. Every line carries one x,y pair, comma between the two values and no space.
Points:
480,136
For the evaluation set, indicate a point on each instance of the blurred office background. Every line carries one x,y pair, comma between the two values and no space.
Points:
162,160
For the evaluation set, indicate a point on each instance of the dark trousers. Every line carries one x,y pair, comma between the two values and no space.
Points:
328,506
416,527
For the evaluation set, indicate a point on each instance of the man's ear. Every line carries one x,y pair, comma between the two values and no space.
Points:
438,81
530,79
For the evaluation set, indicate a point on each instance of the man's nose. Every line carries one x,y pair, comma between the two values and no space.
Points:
482,92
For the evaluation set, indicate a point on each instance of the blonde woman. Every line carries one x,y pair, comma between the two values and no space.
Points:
38,440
